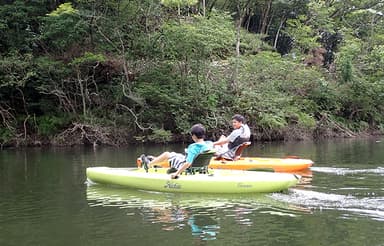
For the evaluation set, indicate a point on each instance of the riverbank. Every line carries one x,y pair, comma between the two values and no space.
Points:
89,135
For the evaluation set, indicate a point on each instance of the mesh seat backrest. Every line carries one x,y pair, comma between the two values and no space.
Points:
203,158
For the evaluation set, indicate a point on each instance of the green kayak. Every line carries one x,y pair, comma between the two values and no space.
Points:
217,181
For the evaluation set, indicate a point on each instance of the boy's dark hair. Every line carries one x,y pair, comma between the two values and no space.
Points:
239,118
198,130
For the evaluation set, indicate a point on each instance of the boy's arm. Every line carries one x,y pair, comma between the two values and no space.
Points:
180,170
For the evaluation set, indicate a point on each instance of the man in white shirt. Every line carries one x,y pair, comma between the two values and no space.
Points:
226,146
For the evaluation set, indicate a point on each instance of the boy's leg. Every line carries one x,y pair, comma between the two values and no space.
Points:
158,159
176,160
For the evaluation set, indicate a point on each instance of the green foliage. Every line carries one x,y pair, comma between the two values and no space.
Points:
375,62
87,58
272,121
251,43
351,47
325,97
187,95
137,65
162,95
306,120
160,136
178,3
49,125
63,28
277,92
346,69
359,101
360,94
319,13
365,22
19,25
65,8
349,52
304,36
174,103
199,40
15,69
6,135
50,86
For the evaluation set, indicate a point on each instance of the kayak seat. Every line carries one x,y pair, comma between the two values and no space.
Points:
238,151
201,162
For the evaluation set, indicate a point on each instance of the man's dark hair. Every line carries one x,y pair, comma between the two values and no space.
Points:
198,130
239,118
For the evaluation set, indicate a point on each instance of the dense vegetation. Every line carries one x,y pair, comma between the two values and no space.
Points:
121,71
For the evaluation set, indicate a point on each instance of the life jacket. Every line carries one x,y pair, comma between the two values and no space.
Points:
239,140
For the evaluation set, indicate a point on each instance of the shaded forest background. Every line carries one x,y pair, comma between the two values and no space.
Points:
116,72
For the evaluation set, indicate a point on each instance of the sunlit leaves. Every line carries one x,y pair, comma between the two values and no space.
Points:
179,3
65,8
88,57
62,28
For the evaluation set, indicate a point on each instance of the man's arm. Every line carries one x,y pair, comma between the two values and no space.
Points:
222,140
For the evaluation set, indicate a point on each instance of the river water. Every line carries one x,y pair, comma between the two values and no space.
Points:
45,200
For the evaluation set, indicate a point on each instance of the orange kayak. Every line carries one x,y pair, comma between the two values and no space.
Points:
259,164
262,163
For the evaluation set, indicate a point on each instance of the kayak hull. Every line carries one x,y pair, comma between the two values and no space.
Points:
217,181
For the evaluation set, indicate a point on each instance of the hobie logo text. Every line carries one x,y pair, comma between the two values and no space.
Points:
171,185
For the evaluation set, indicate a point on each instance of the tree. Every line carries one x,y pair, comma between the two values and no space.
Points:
179,4
62,29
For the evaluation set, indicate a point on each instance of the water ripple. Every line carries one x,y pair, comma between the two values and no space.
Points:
372,207
345,171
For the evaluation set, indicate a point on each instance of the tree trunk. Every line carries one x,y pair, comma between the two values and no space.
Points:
82,93
278,32
204,8
238,28
264,17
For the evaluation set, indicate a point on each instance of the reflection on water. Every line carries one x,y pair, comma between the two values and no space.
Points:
306,177
198,212
200,227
